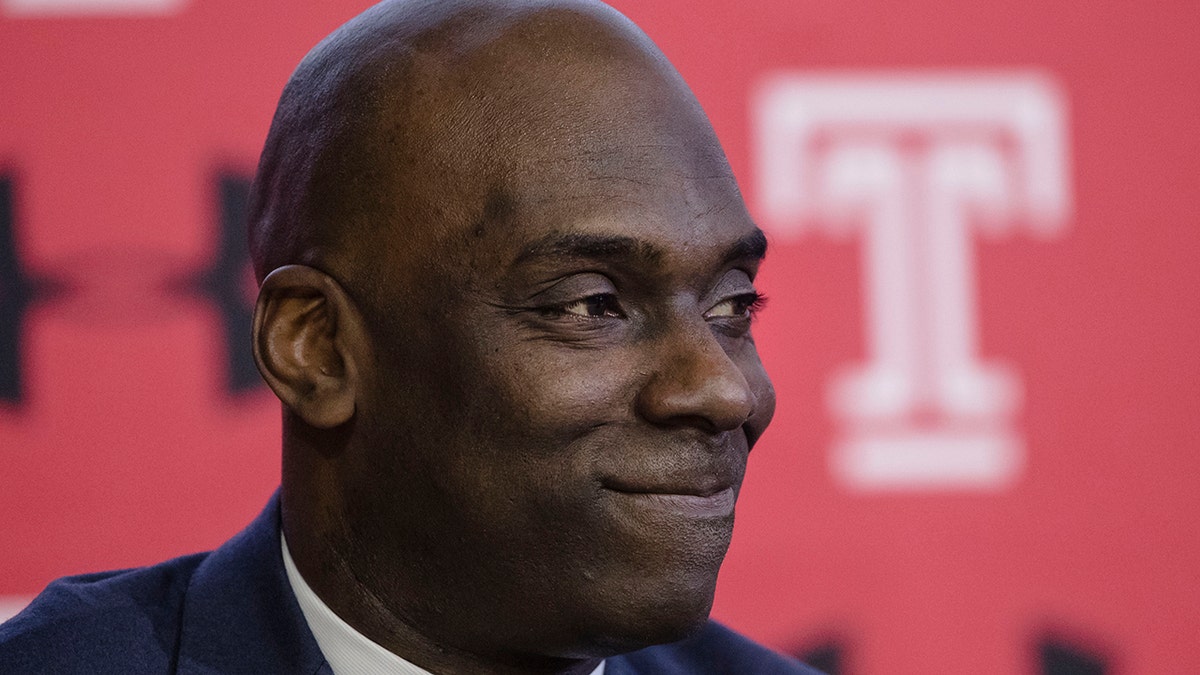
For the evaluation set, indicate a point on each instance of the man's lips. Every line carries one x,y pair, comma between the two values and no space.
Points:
694,502
693,481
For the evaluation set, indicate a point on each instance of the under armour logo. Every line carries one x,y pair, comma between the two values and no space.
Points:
18,291
228,281
14,297
133,287
918,161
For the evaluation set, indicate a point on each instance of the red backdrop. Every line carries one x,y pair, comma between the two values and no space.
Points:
992,206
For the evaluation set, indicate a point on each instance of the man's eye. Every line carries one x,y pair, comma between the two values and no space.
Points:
595,306
745,305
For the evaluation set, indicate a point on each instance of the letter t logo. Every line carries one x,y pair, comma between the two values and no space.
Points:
917,161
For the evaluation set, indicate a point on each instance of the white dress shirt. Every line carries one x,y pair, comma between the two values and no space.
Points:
347,651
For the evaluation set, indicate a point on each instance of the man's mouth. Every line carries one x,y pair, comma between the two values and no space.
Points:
693,503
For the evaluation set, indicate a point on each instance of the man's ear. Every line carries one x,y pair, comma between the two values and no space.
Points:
307,336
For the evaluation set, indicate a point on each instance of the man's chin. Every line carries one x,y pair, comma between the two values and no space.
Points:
662,594
640,622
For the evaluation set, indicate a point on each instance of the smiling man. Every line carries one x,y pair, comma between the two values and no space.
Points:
507,285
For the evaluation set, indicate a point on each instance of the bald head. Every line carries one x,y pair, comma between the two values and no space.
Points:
416,113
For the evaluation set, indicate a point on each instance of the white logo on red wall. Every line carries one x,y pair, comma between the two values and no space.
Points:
917,162
92,7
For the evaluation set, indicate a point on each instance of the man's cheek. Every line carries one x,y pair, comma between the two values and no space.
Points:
550,392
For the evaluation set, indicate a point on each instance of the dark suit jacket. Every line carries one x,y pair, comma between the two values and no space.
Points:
232,611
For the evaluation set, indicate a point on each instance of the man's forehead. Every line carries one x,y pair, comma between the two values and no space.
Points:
652,170
530,117
543,95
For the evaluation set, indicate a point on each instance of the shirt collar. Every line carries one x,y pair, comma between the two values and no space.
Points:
347,650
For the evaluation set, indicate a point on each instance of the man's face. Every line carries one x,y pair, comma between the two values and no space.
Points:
565,386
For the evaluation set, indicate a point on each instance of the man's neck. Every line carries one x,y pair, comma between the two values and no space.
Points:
349,649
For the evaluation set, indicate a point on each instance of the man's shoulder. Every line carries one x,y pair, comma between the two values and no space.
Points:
714,650
229,610
128,619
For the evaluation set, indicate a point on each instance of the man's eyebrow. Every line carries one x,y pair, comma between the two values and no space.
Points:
592,246
753,246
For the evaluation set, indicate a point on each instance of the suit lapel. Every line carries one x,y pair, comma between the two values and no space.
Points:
239,614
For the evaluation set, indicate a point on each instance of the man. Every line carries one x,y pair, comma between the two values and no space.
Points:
506,294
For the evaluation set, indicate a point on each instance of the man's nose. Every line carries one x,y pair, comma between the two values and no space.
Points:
696,383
